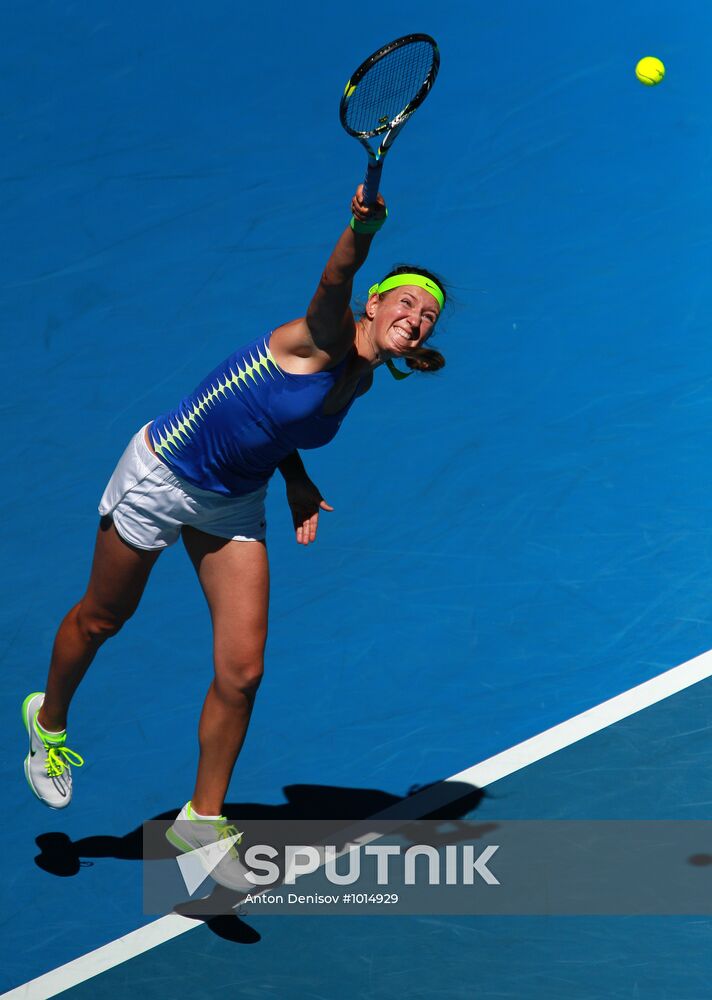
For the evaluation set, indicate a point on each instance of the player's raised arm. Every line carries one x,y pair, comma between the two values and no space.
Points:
329,315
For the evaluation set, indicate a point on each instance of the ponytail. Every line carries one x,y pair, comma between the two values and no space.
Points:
425,359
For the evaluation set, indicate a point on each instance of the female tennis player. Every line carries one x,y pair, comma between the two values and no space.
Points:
200,472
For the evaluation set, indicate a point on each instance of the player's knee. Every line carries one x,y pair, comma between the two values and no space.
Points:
97,626
239,676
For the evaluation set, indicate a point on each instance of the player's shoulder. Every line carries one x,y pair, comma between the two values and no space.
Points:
292,339
293,348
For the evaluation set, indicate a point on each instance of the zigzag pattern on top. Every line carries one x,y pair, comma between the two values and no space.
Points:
170,443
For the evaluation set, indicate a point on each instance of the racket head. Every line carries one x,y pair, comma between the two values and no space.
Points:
388,86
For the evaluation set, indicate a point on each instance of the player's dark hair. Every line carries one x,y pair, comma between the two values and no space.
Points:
421,359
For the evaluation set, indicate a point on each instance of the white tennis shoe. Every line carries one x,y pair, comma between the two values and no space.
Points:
48,765
211,842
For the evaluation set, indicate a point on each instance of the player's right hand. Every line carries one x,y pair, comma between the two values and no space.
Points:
364,212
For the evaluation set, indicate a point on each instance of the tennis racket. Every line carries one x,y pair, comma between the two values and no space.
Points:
383,93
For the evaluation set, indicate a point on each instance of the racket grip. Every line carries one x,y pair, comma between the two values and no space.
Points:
371,181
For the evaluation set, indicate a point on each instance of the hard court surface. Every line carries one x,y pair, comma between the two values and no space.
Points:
515,540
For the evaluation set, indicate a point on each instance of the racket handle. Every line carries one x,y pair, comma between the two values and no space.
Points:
371,181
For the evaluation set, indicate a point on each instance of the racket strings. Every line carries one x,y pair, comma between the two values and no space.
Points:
389,86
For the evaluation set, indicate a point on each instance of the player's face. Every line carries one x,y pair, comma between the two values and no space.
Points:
404,319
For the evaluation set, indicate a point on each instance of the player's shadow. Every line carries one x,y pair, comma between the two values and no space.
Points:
445,801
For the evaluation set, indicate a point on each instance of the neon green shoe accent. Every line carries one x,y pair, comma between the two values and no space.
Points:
223,829
59,758
223,832
49,739
25,703
54,738
178,842
228,830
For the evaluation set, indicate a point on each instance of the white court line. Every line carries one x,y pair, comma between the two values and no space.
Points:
479,775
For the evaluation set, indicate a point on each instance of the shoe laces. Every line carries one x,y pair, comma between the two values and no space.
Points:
226,830
59,758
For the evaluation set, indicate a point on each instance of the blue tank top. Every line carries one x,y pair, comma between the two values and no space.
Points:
230,434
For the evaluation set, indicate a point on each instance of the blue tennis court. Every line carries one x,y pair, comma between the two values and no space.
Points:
515,539
497,956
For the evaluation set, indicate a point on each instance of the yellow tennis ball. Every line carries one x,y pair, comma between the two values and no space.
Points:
650,71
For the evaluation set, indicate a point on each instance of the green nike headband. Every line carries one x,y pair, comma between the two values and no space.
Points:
396,280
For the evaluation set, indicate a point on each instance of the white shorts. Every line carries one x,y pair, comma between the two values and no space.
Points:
149,504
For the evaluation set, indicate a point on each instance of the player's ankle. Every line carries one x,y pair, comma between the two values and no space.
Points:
202,809
51,724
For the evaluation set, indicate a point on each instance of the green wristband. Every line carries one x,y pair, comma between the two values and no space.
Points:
369,227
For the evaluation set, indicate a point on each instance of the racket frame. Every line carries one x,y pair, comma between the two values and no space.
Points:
389,130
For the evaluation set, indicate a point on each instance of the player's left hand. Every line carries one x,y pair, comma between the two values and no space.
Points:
305,501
